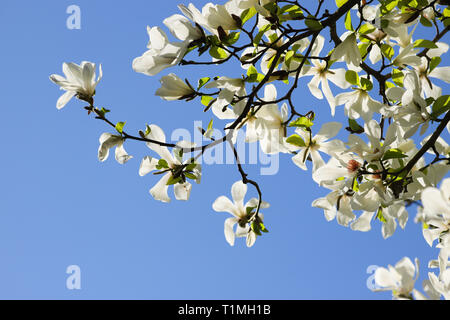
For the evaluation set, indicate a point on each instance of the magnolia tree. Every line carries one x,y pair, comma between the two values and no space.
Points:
394,154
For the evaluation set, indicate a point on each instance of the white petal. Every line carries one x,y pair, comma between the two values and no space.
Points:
223,204
238,191
182,191
327,131
148,164
228,230
121,155
159,191
64,99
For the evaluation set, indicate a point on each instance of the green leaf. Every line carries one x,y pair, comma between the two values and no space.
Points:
441,105
363,47
190,175
302,122
354,126
206,100
423,43
260,34
393,154
366,84
173,180
253,75
296,140
387,51
249,210
397,77
340,3
202,82
232,38
446,12
218,53
247,14
380,216
366,29
162,164
191,166
352,77
210,125
147,130
348,21
119,126
313,24
434,62
425,22
288,57
103,111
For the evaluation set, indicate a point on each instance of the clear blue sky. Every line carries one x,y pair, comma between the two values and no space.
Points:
60,206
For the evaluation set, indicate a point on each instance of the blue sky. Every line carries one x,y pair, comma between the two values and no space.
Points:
60,206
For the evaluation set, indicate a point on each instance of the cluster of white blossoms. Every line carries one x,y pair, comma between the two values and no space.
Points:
394,154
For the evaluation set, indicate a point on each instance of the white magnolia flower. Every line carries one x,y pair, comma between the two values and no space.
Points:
441,284
257,4
229,88
161,54
413,112
214,16
182,28
436,210
337,204
171,166
375,149
319,142
239,211
358,103
407,57
108,141
80,80
273,123
429,89
321,75
348,51
399,279
173,88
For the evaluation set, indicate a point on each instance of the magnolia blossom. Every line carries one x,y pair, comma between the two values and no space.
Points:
171,167
173,88
319,142
108,141
429,88
321,75
241,214
273,123
161,54
399,279
79,80
214,16
182,28
414,111
436,210
348,51
337,204
407,57
358,103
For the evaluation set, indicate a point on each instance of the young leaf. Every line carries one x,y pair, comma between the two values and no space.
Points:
352,77
218,53
296,140
441,105
202,82
302,122
423,43
348,21
119,126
